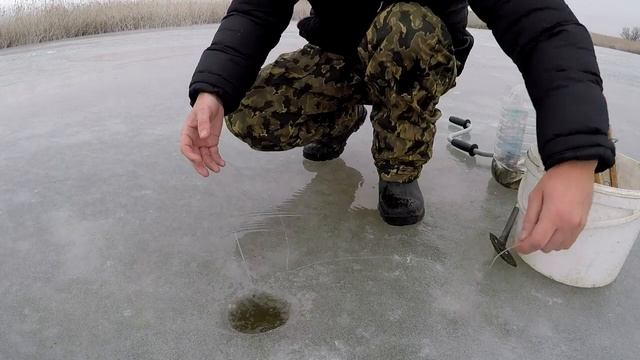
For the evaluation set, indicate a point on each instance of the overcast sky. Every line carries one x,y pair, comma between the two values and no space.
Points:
603,16
607,16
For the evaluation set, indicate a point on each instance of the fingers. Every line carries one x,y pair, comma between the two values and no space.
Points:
570,239
538,238
561,240
209,130
204,124
188,148
195,156
200,168
551,233
534,207
215,154
571,225
218,119
204,118
200,137
558,208
209,159
187,141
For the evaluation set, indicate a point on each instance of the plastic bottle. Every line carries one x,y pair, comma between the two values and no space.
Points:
516,133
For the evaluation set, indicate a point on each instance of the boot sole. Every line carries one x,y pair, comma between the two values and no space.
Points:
313,157
401,220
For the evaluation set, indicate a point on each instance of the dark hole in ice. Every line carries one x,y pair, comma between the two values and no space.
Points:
258,313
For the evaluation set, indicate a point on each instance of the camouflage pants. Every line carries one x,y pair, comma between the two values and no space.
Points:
405,64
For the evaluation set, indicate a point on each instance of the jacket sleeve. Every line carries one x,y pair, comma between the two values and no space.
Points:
247,33
555,55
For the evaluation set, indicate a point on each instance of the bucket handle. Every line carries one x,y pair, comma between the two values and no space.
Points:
609,223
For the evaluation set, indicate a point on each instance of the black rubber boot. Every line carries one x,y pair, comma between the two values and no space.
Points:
330,149
318,151
400,204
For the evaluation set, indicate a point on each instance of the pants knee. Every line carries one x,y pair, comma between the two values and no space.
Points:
406,38
402,27
251,130
407,55
263,131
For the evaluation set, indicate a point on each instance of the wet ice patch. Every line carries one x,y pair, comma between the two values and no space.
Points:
258,313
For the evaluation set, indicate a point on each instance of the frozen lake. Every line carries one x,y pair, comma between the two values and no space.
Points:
112,248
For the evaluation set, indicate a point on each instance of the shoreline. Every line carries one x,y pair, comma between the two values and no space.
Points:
59,20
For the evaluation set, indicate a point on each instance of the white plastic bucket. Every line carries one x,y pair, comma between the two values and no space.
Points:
612,228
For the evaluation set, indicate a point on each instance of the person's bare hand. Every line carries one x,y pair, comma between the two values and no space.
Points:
558,208
201,134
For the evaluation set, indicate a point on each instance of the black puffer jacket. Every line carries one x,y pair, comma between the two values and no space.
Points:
552,50
343,33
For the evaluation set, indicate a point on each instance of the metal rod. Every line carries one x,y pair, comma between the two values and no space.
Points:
459,133
483,153
510,223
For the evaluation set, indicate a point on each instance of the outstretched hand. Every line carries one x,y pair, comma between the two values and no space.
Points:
200,135
558,207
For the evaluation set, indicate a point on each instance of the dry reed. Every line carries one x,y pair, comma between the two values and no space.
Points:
54,20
